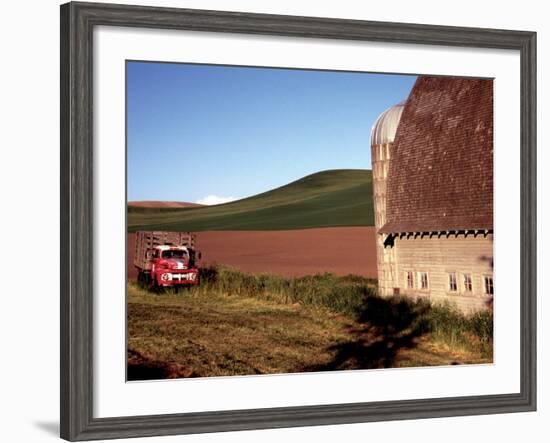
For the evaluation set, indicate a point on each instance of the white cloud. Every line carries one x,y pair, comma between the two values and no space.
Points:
215,200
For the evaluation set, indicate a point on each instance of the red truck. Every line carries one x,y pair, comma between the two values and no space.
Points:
166,259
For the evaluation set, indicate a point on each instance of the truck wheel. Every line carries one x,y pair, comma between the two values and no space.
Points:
155,287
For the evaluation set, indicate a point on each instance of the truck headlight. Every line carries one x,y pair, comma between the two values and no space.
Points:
166,277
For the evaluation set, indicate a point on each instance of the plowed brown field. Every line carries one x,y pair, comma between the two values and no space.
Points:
299,252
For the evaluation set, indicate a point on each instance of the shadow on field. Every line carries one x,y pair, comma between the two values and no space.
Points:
389,325
143,368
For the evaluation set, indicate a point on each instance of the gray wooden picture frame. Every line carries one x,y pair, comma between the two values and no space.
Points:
77,23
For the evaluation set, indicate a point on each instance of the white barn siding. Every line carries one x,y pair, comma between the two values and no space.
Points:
439,256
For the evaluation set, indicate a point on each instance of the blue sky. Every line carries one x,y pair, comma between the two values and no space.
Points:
198,131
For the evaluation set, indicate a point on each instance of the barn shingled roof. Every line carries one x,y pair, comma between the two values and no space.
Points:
441,171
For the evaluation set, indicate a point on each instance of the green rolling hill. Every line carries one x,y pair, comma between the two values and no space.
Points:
341,197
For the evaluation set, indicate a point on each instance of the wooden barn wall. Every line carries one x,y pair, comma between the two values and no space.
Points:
439,256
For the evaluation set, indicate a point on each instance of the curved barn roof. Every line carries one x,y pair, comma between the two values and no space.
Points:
384,129
441,173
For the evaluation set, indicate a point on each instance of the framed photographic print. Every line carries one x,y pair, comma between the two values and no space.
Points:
274,221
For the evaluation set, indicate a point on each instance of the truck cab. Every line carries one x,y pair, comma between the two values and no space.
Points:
166,258
173,265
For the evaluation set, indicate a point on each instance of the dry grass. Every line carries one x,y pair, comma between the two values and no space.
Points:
198,333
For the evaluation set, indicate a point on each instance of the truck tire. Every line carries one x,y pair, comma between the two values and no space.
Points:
143,279
155,287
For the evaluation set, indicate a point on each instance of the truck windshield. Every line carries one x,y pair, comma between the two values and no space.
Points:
174,253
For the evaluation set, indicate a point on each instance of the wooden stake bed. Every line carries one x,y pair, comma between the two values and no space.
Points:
146,241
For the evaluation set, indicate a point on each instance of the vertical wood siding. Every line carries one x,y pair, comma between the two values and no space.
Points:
439,255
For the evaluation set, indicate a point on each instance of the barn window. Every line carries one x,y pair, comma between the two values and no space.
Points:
423,280
410,280
468,283
452,282
488,285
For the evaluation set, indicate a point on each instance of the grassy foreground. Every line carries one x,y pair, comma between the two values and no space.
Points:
340,197
239,324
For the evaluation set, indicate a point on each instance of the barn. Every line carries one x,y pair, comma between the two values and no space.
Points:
432,161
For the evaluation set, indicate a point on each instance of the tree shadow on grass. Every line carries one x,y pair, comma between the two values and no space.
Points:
388,326
140,367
